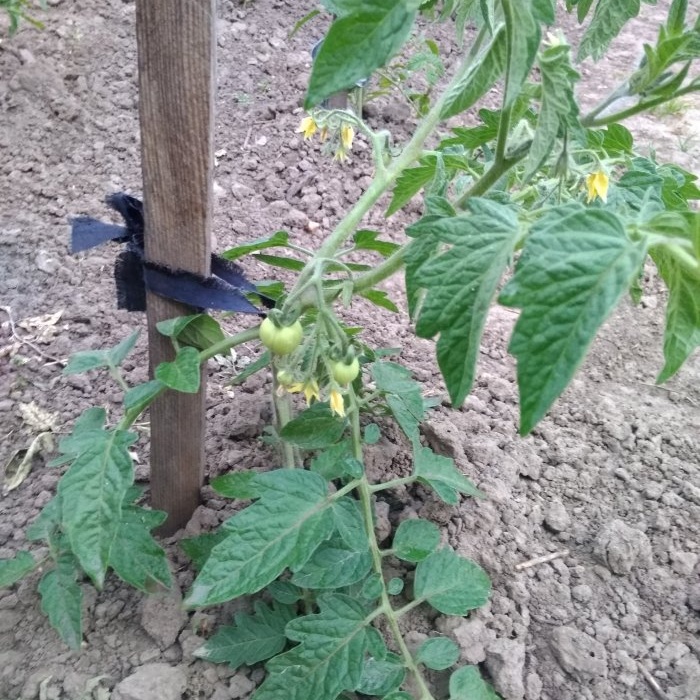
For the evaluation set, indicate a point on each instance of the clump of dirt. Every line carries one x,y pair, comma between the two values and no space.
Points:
591,526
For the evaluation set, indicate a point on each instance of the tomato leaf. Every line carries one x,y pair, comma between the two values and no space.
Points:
329,657
466,683
183,373
252,638
279,530
609,17
451,584
462,283
415,539
575,266
16,568
357,44
61,600
438,653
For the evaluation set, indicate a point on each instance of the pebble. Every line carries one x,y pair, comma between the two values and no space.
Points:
470,634
556,518
240,686
579,654
621,547
582,593
505,661
163,616
152,682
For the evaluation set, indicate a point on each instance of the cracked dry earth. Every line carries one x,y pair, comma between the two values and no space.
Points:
591,526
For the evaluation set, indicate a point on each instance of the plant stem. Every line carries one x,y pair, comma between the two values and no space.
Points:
283,414
384,270
365,492
219,348
394,483
590,121
382,180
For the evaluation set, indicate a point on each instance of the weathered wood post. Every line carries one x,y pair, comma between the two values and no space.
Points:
176,56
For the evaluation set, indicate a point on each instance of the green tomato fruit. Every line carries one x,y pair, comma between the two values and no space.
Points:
344,373
280,340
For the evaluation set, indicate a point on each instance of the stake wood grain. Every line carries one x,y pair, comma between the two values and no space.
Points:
176,57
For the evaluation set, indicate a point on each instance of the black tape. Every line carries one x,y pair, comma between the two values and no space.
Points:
223,289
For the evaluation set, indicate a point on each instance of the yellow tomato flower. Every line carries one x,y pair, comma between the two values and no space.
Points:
340,155
347,134
310,389
337,403
597,184
308,127
324,134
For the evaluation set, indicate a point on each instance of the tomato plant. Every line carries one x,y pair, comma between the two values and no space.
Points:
539,207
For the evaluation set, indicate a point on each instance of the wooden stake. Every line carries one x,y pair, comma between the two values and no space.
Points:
176,50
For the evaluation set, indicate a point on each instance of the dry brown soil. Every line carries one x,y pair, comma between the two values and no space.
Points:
609,481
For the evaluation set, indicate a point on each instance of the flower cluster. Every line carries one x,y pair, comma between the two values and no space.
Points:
340,138
312,392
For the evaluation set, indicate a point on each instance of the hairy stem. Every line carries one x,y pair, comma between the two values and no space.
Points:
283,414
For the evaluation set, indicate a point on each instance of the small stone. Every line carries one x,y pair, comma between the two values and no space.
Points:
505,661
628,668
556,518
152,682
533,686
694,597
582,593
46,263
621,547
163,616
674,651
240,686
683,563
579,654
470,635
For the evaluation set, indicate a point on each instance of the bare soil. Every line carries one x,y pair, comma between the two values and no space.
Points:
609,482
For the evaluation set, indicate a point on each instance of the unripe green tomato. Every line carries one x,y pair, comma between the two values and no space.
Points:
280,340
344,373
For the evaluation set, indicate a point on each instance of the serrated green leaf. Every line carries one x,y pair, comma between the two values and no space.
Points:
281,261
199,548
135,556
682,332
417,253
441,474
94,486
200,331
369,240
357,44
285,592
240,484
372,587
329,658
403,396
380,676
140,396
47,521
609,17
281,529
451,584
334,564
313,429
544,10
337,461
415,539
409,183
394,586
118,353
347,516
476,82
575,266
371,434
86,360
438,653
183,373
461,284
379,298
277,239
252,638
61,600
523,40
87,430
558,110
16,568
466,683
